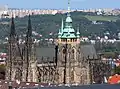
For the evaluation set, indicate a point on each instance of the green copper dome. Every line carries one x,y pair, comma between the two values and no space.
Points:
69,19
68,31
71,30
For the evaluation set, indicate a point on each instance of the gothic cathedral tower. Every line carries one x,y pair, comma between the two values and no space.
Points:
30,62
69,55
14,61
21,63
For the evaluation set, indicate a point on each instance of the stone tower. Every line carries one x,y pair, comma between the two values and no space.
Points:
30,62
70,66
21,63
14,62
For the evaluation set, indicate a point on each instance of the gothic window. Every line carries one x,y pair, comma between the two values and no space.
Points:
82,79
51,75
63,54
18,75
64,51
85,74
45,76
73,54
15,63
79,51
84,65
20,63
72,76
40,76
56,76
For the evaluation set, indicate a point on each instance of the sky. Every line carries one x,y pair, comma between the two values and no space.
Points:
61,4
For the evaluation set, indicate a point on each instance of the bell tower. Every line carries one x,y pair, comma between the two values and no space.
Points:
30,62
14,62
21,63
68,45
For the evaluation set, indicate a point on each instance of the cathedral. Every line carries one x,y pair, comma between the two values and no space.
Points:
70,64
67,62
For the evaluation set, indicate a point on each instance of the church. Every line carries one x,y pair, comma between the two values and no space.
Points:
70,65
67,62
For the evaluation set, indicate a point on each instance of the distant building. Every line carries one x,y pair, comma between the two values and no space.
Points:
3,11
115,79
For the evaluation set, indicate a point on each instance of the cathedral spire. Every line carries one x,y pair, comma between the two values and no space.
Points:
12,31
68,19
68,6
61,29
78,32
62,26
29,33
68,30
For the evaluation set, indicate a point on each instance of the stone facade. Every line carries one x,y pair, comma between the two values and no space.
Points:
72,68
69,66
21,63
77,69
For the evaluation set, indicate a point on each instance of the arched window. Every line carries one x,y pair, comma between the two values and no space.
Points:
64,50
18,75
51,74
40,76
45,75
72,76
73,54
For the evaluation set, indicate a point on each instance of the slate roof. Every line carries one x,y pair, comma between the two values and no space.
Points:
49,52
88,50
45,52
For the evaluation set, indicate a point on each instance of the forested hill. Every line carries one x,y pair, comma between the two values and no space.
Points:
44,24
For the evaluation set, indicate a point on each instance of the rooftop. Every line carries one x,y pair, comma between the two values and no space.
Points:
32,85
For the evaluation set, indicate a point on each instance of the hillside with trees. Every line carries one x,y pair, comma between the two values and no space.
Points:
44,24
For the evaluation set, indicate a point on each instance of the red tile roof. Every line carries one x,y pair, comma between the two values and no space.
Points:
114,79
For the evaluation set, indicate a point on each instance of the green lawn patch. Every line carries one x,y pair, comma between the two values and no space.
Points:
103,18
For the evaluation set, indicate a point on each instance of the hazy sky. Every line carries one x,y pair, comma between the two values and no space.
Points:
61,4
